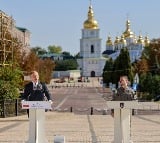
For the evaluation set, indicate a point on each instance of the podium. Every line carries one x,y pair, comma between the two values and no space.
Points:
36,120
122,117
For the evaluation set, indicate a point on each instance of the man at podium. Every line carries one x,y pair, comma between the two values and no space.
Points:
36,90
35,93
124,92
122,113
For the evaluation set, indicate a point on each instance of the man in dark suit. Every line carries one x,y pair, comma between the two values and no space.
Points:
36,90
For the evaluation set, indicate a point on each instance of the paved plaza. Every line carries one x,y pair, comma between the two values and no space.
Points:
80,128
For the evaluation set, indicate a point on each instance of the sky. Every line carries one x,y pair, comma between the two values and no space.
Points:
59,22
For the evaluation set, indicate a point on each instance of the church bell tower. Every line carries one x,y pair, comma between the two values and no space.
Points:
91,62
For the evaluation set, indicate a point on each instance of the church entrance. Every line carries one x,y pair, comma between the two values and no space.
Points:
92,73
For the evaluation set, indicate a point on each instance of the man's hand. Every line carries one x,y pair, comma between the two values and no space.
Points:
51,101
22,102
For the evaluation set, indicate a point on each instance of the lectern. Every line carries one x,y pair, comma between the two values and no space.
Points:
122,114
36,120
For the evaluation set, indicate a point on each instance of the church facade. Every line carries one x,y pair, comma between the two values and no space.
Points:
134,44
91,61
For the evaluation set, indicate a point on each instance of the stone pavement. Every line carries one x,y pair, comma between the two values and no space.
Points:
81,128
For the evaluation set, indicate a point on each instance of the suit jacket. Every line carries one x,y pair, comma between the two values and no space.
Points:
36,93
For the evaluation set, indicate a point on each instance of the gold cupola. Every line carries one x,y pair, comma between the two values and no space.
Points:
128,33
146,41
135,39
109,41
122,40
117,40
140,39
90,23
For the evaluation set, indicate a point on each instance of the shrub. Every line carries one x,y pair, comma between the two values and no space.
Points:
10,83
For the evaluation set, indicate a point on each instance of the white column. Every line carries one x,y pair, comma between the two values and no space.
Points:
122,125
36,126
32,126
117,126
126,130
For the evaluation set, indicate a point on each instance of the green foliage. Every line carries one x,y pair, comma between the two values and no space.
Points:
54,49
150,84
145,96
146,83
38,50
66,53
10,83
121,66
107,71
156,85
148,69
65,65
77,56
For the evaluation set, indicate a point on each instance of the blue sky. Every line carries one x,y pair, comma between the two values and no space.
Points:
59,22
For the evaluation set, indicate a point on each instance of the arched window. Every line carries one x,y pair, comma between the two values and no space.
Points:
92,49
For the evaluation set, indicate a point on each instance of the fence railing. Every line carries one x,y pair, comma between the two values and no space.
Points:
105,111
9,108
85,111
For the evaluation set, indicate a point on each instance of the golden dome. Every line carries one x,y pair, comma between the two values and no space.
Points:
109,41
146,41
117,40
140,39
135,39
90,23
128,33
122,40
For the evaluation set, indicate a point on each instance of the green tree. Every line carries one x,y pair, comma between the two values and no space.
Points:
148,68
145,82
150,85
38,50
122,66
107,72
66,53
67,56
10,82
156,85
77,56
65,65
54,49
